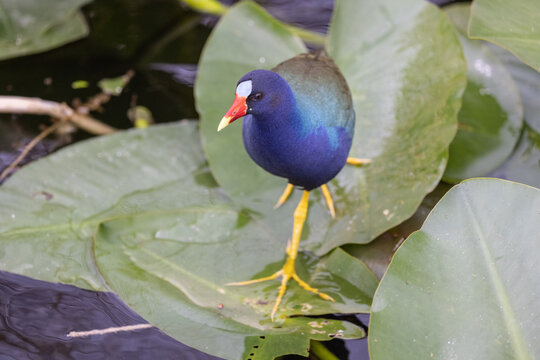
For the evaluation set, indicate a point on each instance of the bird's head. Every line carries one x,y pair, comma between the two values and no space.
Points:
259,92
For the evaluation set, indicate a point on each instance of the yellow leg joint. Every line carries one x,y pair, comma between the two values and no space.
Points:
286,193
328,199
288,270
358,161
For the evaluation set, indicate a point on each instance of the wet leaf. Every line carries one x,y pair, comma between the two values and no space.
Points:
491,115
155,261
51,207
28,27
467,284
510,25
406,113
141,209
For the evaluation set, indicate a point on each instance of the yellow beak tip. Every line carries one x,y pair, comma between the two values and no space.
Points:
223,123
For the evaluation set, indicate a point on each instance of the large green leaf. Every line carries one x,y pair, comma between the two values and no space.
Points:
510,24
406,112
32,26
139,213
406,71
467,284
52,207
491,116
178,262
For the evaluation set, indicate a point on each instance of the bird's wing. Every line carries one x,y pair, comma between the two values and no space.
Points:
322,94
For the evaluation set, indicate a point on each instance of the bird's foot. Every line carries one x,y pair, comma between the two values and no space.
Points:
286,193
287,272
358,161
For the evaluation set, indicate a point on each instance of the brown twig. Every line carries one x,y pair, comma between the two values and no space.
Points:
61,111
28,148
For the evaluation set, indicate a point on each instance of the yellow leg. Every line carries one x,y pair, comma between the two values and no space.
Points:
286,193
288,271
357,161
329,201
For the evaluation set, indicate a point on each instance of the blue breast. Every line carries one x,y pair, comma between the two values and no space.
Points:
308,137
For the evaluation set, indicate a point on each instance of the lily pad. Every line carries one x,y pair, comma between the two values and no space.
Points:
406,113
467,284
28,27
491,116
510,25
139,213
179,261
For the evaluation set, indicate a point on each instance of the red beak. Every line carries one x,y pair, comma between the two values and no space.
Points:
237,110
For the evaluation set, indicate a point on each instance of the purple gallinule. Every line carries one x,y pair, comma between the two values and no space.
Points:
298,124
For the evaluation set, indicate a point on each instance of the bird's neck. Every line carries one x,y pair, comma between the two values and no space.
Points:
286,119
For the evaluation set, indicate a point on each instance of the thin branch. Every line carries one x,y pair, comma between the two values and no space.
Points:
111,330
61,111
28,148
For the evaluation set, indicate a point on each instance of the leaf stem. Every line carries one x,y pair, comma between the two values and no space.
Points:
307,35
321,352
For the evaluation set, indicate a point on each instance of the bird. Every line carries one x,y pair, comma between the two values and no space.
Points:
298,124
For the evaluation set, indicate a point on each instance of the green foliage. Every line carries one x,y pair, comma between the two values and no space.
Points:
491,115
33,26
139,213
166,222
467,284
404,168
511,25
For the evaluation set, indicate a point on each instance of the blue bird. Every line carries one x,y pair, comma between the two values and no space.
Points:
298,124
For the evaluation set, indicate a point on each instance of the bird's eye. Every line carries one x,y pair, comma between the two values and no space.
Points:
258,96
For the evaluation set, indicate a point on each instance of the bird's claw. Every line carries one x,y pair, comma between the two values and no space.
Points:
287,272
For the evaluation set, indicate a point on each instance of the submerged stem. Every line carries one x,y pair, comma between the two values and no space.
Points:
321,352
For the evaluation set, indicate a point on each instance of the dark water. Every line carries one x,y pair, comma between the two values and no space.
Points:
36,317
161,41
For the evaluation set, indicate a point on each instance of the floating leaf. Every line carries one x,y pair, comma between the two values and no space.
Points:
491,116
141,209
467,284
180,261
32,26
52,207
406,113
510,25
